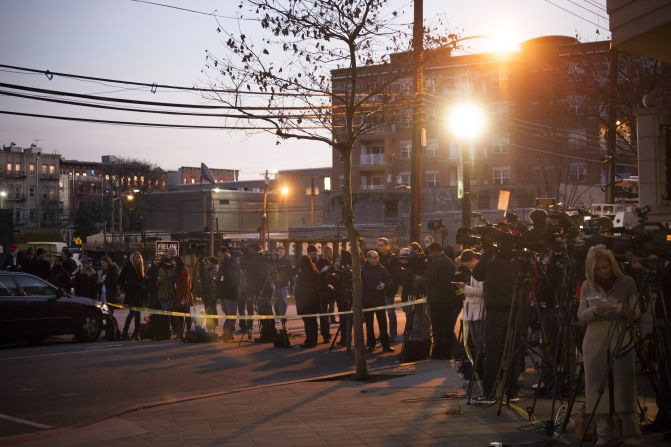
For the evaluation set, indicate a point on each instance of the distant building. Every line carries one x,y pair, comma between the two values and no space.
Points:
31,182
188,175
546,134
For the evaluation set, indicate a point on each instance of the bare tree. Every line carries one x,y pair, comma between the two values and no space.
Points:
321,72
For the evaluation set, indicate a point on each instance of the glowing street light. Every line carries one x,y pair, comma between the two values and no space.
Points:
3,194
467,121
284,190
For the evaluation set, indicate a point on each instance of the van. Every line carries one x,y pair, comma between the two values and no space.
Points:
52,249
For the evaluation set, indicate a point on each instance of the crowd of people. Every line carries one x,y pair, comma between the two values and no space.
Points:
478,287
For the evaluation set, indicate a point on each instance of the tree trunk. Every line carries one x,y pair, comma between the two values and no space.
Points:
357,305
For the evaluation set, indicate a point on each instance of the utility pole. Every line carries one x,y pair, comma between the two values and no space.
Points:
37,190
312,200
612,128
264,218
419,133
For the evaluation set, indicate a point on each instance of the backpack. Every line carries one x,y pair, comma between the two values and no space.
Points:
281,339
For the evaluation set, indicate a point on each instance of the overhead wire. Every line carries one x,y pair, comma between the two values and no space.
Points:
577,15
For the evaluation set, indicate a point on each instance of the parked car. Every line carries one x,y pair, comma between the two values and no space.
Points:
32,308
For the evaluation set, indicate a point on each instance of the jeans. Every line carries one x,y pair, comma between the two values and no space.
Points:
280,301
381,316
391,314
229,307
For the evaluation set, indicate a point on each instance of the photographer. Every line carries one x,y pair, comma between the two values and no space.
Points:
442,299
229,290
259,287
608,304
498,271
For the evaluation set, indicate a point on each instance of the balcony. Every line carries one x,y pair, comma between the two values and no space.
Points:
372,159
371,187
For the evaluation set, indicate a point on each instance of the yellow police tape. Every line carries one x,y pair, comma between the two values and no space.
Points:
261,317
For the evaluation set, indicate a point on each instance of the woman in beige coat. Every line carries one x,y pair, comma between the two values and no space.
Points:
608,303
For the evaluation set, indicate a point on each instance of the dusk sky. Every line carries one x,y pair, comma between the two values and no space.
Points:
123,39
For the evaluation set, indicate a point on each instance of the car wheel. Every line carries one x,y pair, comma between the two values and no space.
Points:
89,326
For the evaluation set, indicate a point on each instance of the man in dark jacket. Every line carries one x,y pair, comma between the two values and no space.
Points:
375,279
326,291
259,288
498,271
389,261
229,290
443,302
14,261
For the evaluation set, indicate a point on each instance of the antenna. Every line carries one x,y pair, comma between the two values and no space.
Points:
206,173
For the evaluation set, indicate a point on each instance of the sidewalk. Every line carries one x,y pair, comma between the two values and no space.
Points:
409,410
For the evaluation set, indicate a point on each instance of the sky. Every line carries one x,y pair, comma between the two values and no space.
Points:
136,41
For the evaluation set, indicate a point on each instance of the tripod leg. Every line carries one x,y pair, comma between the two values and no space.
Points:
335,337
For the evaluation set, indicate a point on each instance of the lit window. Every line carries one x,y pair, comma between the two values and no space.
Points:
43,169
9,167
500,145
327,183
17,167
52,169
31,168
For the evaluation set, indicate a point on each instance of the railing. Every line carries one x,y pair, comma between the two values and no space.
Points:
372,187
372,159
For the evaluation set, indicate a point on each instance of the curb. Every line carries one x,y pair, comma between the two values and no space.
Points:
38,436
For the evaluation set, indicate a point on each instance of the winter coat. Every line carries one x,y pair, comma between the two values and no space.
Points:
61,278
474,305
498,275
306,292
86,284
133,285
43,268
438,280
183,295
371,276
598,346
230,278
111,283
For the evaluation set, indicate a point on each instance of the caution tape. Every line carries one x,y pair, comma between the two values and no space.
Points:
262,317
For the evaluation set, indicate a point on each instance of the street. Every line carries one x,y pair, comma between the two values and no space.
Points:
62,383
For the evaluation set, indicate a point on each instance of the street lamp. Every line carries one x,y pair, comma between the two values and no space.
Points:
466,121
128,196
3,194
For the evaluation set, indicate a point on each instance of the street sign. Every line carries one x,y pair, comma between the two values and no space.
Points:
162,247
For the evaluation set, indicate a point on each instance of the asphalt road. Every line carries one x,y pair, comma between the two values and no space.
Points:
62,382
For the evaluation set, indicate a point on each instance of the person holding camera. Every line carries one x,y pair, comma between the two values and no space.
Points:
259,288
375,279
473,314
442,299
389,261
608,304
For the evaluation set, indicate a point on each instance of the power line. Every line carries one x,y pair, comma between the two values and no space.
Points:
193,10
160,104
144,124
50,74
577,15
596,5
164,112
588,10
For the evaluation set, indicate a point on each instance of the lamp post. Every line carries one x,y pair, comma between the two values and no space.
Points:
467,122
3,194
128,196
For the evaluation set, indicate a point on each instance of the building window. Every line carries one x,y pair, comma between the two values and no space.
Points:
373,181
52,169
432,180
43,169
432,149
9,167
327,183
501,176
500,145
31,168
406,87
577,172
453,150
577,140
405,118
406,148
341,180
17,167
372,154
31,191
403,178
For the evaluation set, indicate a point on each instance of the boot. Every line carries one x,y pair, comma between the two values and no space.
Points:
631,430
604,429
